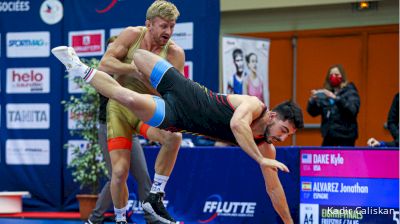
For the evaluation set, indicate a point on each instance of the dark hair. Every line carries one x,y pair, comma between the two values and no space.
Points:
327,84
236,52
249,55
289,110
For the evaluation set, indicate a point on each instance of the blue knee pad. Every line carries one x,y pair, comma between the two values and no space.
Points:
158,72
159,113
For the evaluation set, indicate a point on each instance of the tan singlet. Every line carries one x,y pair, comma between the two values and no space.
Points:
121,122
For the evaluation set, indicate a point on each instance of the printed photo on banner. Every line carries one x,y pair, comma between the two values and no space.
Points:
245,66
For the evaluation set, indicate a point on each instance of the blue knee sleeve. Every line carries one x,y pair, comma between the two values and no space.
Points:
159,113
158,72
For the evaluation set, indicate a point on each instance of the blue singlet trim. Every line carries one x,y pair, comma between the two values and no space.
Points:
158,72
159,113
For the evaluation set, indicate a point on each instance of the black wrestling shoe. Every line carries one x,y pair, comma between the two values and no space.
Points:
90,222
154,205
121,222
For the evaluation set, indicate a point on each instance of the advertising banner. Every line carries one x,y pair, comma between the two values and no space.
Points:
33,124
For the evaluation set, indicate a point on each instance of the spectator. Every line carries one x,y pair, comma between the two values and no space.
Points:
392,124
338,104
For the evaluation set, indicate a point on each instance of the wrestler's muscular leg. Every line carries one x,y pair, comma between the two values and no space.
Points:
142,105
170,143
145,61
120,162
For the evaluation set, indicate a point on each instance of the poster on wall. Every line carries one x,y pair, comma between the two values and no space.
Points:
245,66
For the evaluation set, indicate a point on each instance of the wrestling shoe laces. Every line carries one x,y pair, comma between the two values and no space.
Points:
67,56
70,59
155,206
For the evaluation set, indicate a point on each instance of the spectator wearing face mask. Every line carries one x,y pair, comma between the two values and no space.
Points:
338,104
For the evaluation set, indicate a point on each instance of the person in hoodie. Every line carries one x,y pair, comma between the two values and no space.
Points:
338,103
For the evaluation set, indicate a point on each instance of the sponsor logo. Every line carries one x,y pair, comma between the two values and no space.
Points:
309,213
87,43
28,44
14,6
183,35
28,152
28,116
51,11
188,70
28,80
108,7
218,207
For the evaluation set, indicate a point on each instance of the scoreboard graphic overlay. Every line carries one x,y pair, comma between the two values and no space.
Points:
349,186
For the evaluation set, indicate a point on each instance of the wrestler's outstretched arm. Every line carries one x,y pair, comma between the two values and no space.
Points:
240,126
273,185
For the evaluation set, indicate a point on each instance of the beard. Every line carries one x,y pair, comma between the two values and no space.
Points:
267,134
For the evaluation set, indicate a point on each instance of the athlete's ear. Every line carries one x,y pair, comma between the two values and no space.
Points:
272,114
148,23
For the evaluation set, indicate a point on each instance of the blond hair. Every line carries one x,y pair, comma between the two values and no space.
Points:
111,39
164,9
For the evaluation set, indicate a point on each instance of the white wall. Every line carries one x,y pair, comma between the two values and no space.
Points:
239,5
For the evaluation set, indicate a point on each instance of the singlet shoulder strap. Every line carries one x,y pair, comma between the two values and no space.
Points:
136,44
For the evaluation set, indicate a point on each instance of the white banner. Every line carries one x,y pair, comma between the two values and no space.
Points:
87,42
28,152
28,44
28,80
183,35
28,115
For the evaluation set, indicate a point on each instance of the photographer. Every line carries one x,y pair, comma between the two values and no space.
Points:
338,104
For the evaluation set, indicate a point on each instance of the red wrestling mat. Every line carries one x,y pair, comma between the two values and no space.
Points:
47,215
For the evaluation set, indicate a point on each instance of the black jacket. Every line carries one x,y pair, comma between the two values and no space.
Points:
393,121
339,116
